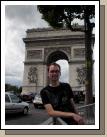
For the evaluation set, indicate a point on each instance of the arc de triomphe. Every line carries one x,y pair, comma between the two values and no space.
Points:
43,46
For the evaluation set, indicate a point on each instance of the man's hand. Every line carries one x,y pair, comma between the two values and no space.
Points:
78,119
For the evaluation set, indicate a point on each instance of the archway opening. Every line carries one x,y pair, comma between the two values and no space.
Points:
64,70
55,56
62,59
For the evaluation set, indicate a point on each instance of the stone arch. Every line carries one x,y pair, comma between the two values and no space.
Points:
44,46
56,55
61,52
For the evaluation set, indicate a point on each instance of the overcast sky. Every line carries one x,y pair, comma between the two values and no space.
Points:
19,18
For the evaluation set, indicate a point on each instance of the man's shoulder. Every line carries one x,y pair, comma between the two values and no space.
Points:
44,89
64,84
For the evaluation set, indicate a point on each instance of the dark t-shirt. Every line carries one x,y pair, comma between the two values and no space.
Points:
59,97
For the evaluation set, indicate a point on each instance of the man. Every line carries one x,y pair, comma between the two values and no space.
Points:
57,98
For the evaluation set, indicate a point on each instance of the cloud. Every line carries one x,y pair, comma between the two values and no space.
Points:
18,18
25,14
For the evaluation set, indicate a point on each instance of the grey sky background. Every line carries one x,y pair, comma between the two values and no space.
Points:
19,18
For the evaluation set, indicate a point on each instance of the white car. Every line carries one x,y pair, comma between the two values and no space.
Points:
14,104
37,101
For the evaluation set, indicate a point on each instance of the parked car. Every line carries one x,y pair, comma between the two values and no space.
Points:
14,104
37,101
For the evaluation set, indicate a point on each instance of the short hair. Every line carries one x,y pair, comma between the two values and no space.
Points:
55,64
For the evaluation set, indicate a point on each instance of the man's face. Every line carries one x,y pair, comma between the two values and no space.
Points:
54,73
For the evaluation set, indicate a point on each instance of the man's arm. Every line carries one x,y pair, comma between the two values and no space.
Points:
55,113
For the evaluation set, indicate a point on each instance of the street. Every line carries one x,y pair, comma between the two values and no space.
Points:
35,117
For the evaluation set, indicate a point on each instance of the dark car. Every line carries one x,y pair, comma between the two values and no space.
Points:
28,97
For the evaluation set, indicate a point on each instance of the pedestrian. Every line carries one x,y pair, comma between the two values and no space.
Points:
57,98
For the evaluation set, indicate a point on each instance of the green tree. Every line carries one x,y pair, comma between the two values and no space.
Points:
7,87
62,16
20,90
13,88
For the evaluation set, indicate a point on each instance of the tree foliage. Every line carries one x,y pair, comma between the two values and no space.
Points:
59,16
13,88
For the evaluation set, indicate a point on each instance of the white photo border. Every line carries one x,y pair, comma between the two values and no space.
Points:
3,125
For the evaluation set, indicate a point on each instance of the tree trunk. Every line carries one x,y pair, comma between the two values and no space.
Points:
89,68
89,60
